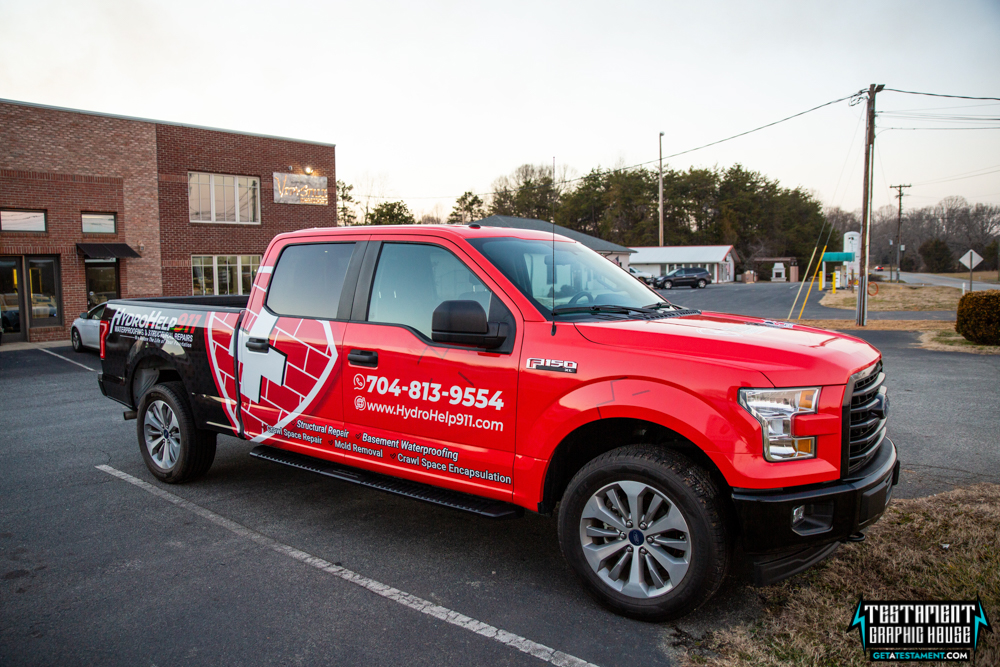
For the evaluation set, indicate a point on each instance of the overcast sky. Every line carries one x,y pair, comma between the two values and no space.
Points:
429,99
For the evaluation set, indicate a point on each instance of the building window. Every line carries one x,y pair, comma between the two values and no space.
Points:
43,285
221,198
22,221
98,223
223,274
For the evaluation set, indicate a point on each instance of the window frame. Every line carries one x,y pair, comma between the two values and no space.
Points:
211,198
45,220
347,290
215,273
114,222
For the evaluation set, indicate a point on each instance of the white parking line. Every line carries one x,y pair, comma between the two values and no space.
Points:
42,349
540,651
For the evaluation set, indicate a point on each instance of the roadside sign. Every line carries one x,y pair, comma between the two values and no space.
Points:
970,259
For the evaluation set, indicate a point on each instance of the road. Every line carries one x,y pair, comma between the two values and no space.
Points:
774,300
95,569
944,281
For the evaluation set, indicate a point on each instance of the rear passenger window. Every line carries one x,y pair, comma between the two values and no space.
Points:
413,279
308,279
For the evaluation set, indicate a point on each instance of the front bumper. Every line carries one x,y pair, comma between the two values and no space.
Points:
832,512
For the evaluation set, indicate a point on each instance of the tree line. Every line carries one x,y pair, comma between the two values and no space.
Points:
934,236
721,206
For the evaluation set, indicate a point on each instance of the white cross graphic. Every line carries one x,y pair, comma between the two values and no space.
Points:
257,365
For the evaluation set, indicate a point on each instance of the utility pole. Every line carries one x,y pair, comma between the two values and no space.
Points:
661,189
899,227
862,309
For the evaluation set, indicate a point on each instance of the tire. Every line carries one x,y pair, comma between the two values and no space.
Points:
701,283
668,284
692,537
186,452
74,337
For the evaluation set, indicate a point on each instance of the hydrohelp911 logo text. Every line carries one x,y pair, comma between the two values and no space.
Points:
557,365
902,630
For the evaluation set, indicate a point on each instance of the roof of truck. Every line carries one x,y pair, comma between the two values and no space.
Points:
465,232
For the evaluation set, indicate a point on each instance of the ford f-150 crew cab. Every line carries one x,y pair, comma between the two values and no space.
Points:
497,370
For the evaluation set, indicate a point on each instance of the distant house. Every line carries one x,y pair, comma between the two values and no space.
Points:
614,252
719,260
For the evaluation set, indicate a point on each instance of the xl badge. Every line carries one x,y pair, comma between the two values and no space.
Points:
557,365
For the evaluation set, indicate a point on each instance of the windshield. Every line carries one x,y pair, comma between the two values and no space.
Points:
582,277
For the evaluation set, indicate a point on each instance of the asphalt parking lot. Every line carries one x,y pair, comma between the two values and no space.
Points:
258,564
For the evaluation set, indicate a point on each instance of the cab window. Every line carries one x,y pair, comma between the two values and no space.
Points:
412,279
308,279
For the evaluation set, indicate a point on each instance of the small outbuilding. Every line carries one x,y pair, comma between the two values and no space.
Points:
718,260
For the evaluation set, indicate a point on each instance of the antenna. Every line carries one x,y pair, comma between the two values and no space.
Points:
552,212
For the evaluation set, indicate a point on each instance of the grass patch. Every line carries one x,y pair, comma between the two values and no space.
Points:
880,325
806,618
978,276
898,297
951,341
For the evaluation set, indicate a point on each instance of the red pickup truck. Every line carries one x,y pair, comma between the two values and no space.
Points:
497,370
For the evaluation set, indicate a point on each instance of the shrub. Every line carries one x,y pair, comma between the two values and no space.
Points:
937,256
978,318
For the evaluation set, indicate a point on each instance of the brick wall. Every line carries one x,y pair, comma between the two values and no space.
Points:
63,197
183,149
68,163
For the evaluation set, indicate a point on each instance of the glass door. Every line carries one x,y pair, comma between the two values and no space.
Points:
102,282
12,300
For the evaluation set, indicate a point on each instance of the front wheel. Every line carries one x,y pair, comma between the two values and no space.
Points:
668,284
643,528
77,343
173,449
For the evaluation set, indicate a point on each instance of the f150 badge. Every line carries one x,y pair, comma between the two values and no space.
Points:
557,365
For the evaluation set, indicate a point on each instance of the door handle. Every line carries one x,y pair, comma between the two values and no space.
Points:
363,358
257,344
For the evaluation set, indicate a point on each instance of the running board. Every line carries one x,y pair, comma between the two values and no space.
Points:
493,509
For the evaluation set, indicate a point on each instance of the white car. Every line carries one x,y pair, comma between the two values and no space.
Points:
86,331
641,275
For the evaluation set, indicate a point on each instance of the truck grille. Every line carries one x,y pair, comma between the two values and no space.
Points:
867,414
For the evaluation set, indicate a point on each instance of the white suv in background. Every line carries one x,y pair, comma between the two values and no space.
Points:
641,275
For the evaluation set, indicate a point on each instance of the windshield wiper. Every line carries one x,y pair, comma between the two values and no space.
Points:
651,312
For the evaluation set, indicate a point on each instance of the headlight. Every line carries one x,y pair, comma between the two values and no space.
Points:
774,408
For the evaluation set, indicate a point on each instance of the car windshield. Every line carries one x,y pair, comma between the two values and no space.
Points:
581,277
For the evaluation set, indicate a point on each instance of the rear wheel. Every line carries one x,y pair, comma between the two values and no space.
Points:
77,342
173,449
643,529
701,283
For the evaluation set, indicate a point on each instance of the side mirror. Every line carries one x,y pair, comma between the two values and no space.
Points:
464,322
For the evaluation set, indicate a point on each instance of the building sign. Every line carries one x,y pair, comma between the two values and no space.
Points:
299,189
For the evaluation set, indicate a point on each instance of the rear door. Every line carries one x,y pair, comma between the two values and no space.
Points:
289,344
90,327
436,413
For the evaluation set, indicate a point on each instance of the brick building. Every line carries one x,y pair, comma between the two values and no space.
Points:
96,206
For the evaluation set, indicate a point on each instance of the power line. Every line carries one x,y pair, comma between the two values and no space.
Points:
957,97
990,127
642,164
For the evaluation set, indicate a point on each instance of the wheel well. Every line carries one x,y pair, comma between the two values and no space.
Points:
149,372
591,440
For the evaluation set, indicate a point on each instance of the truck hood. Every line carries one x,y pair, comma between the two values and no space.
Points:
787,354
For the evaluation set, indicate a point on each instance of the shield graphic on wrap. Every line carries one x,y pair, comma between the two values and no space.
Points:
287,380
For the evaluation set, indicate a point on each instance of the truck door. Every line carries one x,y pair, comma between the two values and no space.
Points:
290,346
437,413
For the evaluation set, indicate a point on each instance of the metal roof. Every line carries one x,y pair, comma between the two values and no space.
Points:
592,242
683,254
